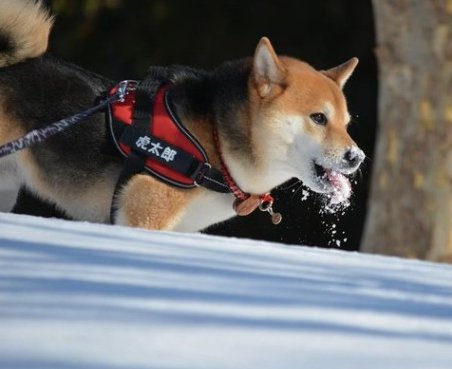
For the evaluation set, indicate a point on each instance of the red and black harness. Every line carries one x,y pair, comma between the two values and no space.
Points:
144,124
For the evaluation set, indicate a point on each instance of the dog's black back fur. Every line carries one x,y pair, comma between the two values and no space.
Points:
44,90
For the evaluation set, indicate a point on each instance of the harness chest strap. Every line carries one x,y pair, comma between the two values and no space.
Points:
144,124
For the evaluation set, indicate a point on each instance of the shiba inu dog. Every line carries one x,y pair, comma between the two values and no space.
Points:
260,121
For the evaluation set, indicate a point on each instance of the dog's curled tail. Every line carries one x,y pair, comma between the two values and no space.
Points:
24,30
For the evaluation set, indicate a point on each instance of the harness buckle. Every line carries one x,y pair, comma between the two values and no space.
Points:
204,168
124,87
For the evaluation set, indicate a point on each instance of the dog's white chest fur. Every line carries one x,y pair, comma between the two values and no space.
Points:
205,210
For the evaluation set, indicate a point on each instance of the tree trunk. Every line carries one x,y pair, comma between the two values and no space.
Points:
410,206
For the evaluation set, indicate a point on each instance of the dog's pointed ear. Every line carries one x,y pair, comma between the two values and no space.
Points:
269,73
342,73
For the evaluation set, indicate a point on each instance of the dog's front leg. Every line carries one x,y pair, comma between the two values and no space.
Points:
147,203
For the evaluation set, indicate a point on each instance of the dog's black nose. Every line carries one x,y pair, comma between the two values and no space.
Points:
353,157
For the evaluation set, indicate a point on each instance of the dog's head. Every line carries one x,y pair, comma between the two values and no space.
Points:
299,122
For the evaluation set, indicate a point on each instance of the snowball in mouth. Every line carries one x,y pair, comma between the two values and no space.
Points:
342,188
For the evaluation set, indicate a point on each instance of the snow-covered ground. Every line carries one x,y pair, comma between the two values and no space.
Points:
9,185
7,198
78,295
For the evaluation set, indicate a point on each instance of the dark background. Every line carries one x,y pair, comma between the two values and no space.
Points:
121,39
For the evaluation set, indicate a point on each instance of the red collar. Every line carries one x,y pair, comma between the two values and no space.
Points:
245,203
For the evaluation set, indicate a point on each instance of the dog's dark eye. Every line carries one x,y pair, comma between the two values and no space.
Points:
319,118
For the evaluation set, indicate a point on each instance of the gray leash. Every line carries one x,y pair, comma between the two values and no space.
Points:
39,135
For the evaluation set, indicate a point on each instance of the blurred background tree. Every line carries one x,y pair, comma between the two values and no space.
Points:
121,39
411,202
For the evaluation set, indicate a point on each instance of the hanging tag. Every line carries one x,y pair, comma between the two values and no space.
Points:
247,206
276,218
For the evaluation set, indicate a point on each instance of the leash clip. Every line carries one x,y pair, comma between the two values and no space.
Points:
124,87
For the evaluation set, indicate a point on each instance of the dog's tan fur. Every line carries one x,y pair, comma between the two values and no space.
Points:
10,127
143,193
29,24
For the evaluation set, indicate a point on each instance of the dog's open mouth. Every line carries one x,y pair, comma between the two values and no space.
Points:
333,182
